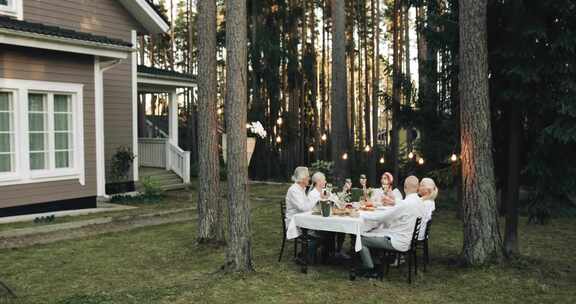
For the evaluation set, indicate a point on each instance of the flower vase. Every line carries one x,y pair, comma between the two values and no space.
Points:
250,146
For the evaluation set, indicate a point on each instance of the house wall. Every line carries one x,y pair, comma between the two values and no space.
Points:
42,65
102,17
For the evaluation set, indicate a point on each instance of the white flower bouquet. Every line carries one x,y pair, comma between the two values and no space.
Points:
257,128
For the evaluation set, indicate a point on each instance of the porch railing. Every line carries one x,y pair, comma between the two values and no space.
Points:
152,152
161,153
178,161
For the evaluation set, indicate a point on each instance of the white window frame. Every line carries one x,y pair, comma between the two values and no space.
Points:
14,9
23,174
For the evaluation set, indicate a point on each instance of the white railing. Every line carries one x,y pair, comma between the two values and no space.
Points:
161,153
152,152
178,161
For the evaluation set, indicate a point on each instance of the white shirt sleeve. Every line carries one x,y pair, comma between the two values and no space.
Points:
397,195
300,201
382,216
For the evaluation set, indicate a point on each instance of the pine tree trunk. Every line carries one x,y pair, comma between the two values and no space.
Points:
407,52
396,86
339,136
210,216
375,83
239,249
511,246
482,240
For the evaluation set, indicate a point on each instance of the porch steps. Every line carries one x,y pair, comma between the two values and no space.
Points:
167,180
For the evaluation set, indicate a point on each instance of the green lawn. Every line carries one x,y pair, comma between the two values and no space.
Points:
164,265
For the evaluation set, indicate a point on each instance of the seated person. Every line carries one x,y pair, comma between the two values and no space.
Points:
386,195
428,192
317,189
296,199
315,194
298,202
400,220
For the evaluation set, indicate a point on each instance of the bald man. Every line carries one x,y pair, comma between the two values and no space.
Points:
396,225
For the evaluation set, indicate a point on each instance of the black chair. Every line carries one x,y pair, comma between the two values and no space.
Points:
298,241
410,254
424,244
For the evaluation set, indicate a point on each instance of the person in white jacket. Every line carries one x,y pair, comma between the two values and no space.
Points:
380,195
399,222
428,192
296,199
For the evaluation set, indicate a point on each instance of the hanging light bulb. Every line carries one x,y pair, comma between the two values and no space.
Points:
411,155
311,149
324,137
345,156
367,148
220,111
278,139
381,160
421,161
279,121
454,158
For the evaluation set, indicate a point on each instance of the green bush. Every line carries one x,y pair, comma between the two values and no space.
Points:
325,167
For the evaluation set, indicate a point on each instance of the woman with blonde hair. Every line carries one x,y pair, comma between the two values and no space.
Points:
428,192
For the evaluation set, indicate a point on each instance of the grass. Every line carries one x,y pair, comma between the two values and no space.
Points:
164,265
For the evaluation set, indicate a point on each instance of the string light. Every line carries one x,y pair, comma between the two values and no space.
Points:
421,161
454,158
381,160
324,137
247,126
311,149
411,155
220,111
279,121
367,148
345,156
278,139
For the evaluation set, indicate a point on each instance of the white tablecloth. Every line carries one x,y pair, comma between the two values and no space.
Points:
342,224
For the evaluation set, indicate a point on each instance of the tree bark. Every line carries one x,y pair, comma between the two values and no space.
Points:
482,240
396,86
239,249
375,84
210,226
511,247
339,138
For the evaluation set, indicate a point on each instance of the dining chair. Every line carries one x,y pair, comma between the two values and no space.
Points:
410,254
424,244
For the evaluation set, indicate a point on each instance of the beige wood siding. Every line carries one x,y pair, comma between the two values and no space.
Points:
34,64
101,17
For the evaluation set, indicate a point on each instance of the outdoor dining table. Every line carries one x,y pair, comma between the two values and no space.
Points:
302,222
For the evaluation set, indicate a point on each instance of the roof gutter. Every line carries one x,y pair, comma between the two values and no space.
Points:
41,41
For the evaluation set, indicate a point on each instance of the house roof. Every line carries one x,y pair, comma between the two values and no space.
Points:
162,72
159,80
156,8
148,14
55,31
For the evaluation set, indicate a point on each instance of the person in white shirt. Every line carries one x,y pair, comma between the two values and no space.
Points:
296,199
428,192
400,220
380,196
318,184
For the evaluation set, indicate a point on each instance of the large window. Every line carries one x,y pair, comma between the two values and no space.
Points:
41,131
11,8
7,163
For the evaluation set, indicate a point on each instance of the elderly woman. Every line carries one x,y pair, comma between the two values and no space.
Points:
386,195
317,191
428,192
